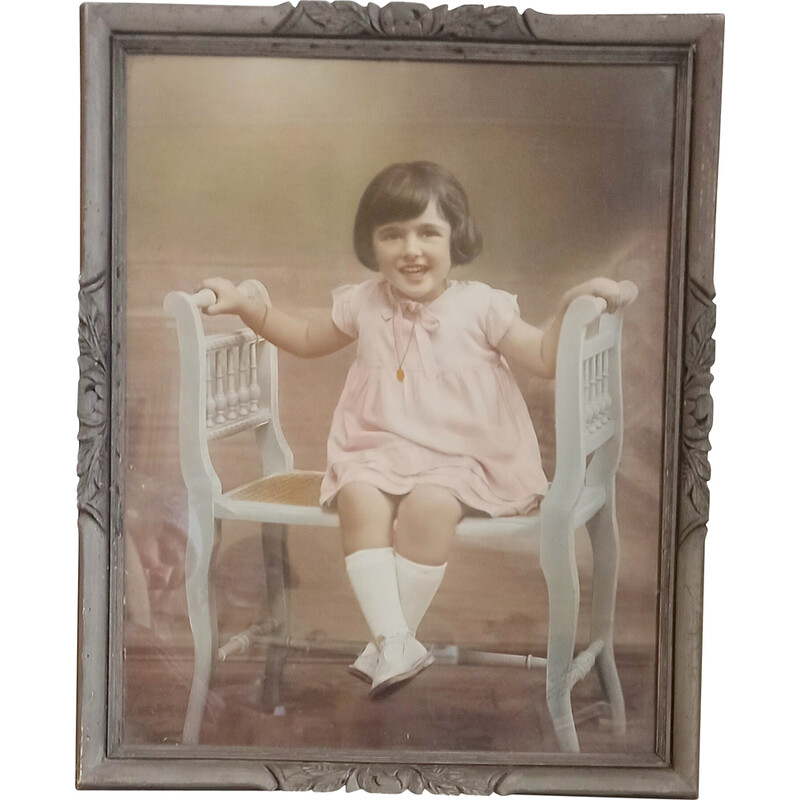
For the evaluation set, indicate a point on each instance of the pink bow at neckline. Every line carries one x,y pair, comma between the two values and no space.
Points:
424,322
419,313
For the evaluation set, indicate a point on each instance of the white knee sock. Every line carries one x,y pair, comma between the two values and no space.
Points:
374,580
417,585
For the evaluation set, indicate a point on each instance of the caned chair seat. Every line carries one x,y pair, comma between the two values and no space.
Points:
229,384
294,489
293,499
290,498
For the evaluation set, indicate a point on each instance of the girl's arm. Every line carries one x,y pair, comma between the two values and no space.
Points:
298,337
535,349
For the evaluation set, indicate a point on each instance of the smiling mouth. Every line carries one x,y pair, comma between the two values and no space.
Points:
414,271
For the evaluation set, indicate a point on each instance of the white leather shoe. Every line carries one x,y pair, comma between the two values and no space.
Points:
400,659
364,666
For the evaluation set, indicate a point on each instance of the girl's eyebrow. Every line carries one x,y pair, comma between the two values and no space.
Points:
401,224
388,228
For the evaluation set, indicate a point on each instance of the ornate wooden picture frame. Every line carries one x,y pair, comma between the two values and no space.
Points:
682,56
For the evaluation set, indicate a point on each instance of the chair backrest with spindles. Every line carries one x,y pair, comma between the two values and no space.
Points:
238,373
588,396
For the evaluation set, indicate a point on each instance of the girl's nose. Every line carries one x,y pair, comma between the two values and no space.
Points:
411,245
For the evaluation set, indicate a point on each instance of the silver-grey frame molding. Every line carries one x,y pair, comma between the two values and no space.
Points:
693,44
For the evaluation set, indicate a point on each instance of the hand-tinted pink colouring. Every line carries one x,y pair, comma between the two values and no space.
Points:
457,419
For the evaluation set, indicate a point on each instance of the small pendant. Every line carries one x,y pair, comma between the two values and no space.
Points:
400,375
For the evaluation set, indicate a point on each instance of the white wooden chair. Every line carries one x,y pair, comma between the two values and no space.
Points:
229,383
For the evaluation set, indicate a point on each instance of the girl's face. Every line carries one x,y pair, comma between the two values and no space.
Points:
414,255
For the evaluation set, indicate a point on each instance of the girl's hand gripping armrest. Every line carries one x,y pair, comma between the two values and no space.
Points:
229,299
536,349
297,336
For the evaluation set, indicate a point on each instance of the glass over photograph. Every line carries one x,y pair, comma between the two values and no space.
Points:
347,286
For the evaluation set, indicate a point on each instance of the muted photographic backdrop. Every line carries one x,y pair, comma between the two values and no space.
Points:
253,167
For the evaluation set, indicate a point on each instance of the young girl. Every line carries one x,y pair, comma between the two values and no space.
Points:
431,424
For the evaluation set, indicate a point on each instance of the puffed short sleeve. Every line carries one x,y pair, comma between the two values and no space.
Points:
502,309
347,303
343,313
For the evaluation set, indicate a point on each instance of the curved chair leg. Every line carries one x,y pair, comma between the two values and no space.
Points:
201,548
276,566
604,536
557,558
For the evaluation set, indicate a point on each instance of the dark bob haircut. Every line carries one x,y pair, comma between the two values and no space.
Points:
401,192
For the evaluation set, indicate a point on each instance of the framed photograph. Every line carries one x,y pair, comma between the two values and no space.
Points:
438,558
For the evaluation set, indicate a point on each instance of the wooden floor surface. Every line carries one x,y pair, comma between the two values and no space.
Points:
322,706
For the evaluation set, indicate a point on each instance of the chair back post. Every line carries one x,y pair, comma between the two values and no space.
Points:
604,462
588,397
570,404
198,471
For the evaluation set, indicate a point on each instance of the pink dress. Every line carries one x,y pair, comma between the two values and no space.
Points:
457,419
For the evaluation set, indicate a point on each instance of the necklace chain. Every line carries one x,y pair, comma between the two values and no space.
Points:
400,361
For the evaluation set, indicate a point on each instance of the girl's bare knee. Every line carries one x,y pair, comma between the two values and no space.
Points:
428,505
365,517
426,523
362,501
